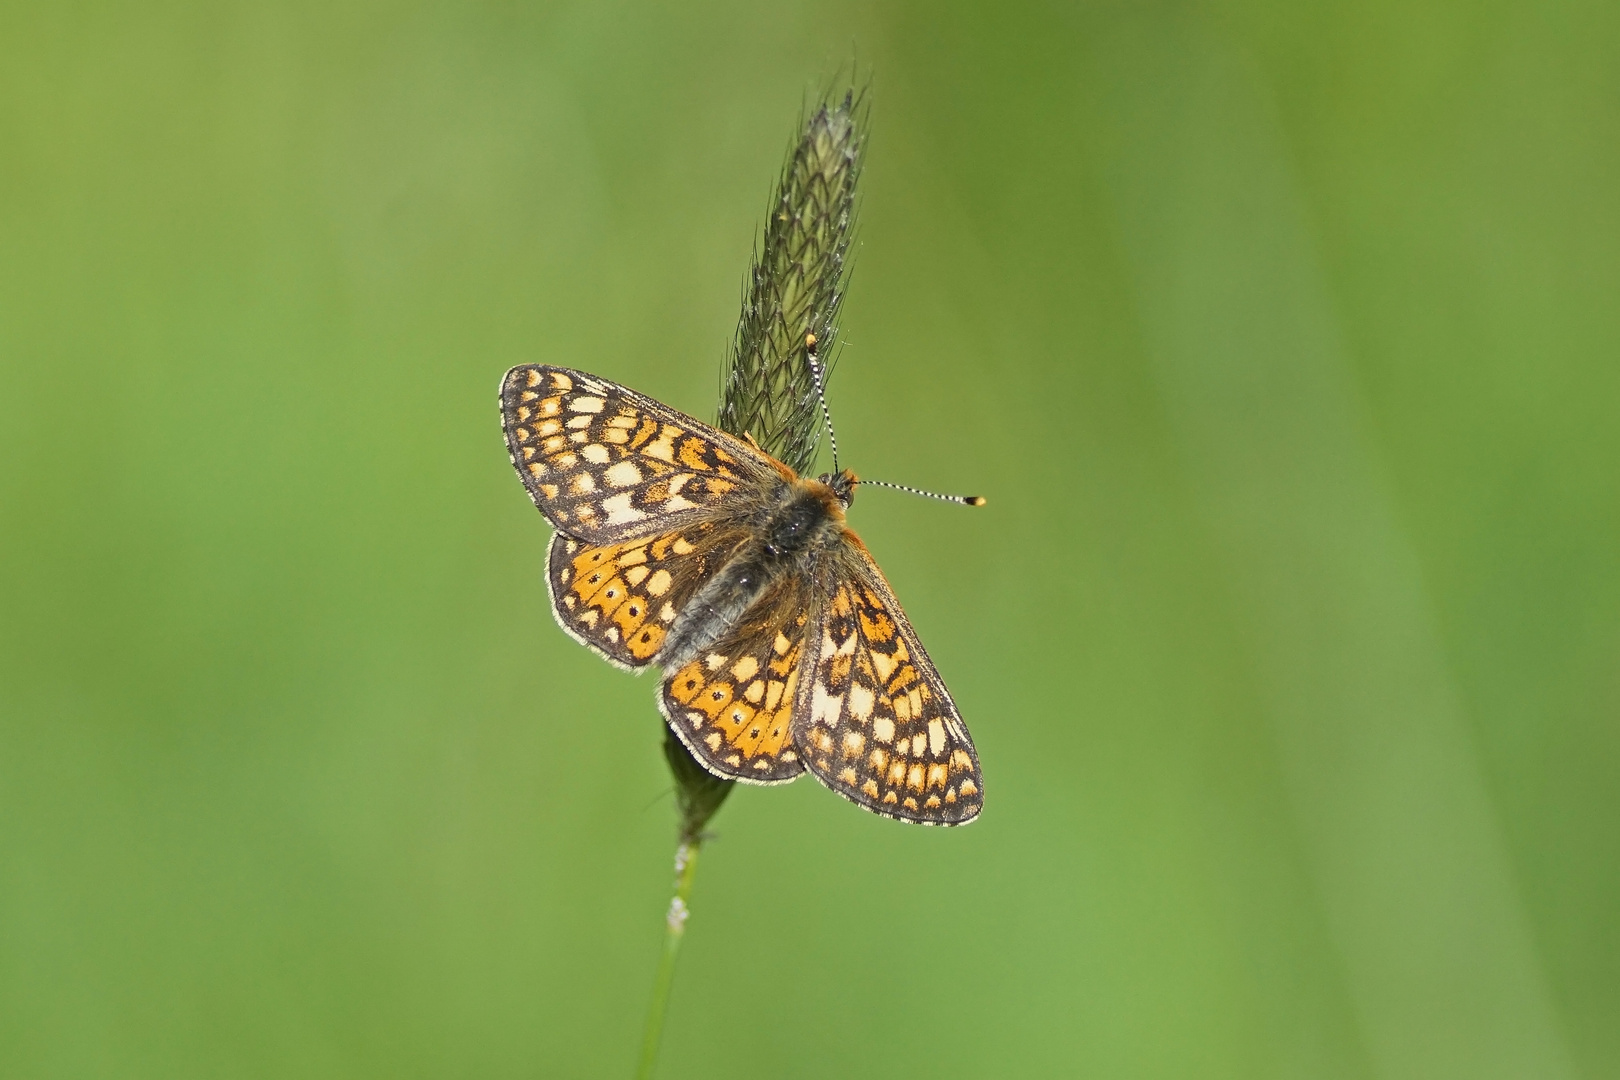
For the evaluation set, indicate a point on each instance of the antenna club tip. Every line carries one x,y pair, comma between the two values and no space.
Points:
974,500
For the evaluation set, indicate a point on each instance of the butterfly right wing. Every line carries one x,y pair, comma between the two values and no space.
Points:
873,718
605,464
620,599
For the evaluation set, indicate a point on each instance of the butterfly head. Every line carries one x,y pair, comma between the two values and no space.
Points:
842,484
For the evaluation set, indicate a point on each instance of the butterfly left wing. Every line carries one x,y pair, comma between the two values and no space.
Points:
605,464
732,704
873,718
620,600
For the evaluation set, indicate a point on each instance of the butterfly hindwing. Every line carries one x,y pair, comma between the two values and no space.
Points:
732,704
605,463
620,599
873,718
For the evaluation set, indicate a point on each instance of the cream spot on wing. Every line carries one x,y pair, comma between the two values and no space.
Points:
870,789
745,668
667,612
902,707
567,460
825,707
936,737
914,778
938,775
595,453
623,474
884,663
713,740
531,377
560,381
773,694
883,729
663,447
636,574
554,444
586,405
969,788
679,502
960,760
878,759
860,702
548,427
890,798
619,510
847,777
918,741
854,743
590,617
549,490
782,644
611,633
582,484
755,691
579,423
715,661
658,584
682,546
788,755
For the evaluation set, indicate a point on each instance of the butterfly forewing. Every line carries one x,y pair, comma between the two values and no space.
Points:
732,704
621,599
605,463
873,718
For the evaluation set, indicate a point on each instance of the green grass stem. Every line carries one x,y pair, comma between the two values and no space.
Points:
686,857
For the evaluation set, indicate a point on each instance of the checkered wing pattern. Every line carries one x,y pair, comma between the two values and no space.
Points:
605,463
873,718
732,705
620,599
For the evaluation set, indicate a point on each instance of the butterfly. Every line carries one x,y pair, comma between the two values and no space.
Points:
782,646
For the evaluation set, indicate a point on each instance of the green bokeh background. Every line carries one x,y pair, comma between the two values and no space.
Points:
1282,339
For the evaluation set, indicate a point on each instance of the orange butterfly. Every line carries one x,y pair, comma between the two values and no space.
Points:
782,646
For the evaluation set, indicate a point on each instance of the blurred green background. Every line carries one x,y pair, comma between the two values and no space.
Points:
1281,337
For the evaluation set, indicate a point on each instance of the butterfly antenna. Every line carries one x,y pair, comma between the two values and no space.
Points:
964,500
821,394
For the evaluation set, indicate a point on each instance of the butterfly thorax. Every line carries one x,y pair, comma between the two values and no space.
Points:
807,514
792,530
